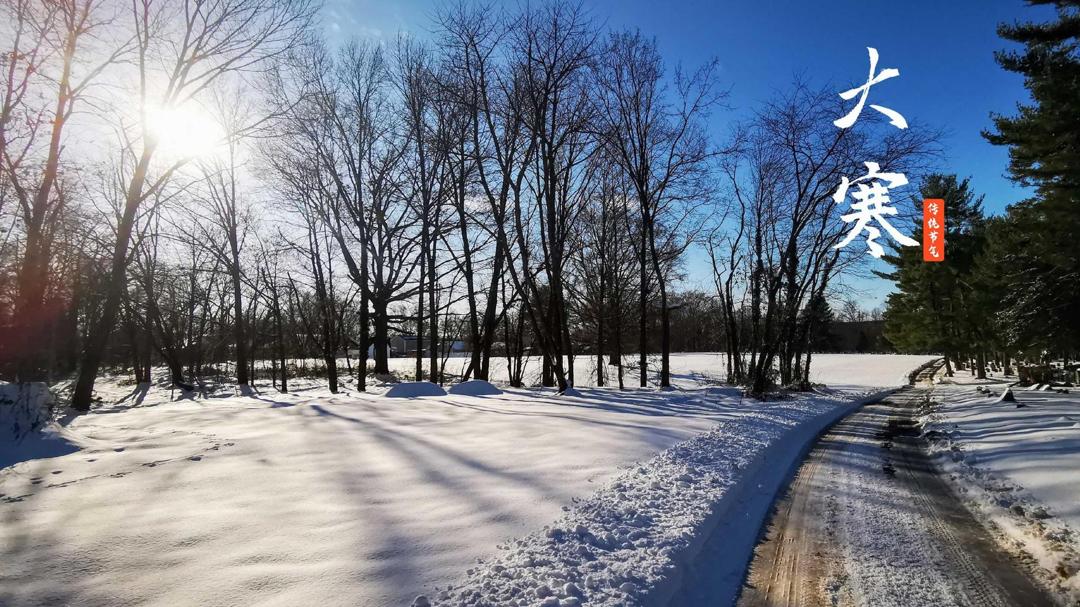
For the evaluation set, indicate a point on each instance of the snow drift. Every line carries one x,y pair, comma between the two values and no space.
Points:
412,389
475,387
26,428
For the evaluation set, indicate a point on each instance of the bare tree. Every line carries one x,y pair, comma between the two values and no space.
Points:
426,131
180,52
658,139
789,162
229,218
65,45
551,48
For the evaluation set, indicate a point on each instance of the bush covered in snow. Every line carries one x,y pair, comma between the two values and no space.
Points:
24,408
475,387
411,389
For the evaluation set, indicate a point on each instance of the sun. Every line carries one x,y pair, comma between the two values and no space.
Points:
186,132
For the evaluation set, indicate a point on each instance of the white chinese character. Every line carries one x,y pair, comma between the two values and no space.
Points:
871,202
895,118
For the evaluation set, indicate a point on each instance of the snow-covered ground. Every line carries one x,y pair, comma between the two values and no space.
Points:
845,371
313,498
1019,467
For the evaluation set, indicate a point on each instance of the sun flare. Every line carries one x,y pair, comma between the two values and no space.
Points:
186,131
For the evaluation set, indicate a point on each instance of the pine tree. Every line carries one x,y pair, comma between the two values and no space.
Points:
1044,138
1036,251
935,307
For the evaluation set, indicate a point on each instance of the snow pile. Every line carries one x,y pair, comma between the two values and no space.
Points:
24,408
26,428
475,387
628,543
1017,465
412,389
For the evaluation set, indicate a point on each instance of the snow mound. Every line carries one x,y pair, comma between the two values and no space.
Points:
1017,469
26,428
475,387
412,389
24,408
1006,397
724,391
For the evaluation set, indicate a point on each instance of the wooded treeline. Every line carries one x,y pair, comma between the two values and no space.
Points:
525,182
1009,288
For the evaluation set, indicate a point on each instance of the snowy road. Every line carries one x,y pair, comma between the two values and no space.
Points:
868,521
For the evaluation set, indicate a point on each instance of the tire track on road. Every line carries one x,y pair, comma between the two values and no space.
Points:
811,554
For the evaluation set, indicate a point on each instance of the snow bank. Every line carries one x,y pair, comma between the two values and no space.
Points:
413,389
631,542
475,387
24,408
312,498
1017,465
27,431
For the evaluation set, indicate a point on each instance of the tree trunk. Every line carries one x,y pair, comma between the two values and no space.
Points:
382,336
114,287
490,309
239,332
280,343
420,311
600,339
433,349
643,335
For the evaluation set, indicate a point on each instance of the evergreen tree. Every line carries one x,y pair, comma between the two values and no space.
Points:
819,317
1044,138
1036,249
936,307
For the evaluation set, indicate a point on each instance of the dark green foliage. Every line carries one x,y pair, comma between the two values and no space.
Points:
818,317
1009,283
1034,255
936,307
1044,137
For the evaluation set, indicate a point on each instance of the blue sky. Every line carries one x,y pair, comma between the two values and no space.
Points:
943,49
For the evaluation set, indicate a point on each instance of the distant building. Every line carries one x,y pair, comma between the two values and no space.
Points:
403,345
354,351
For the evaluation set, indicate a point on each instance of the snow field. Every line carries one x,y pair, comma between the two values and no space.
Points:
841,371
1018,467
313,498
630,542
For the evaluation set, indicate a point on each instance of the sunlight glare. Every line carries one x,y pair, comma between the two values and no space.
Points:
186,132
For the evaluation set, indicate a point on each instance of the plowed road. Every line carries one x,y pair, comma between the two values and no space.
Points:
867,521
